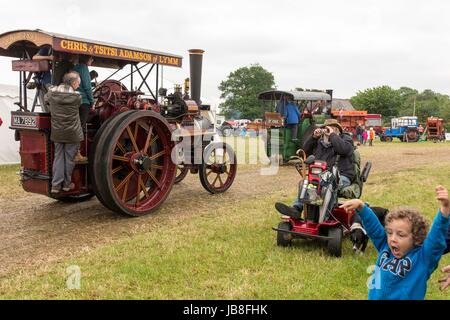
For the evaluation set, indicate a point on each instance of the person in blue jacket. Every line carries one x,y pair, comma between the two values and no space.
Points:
85,89
292,118
407,256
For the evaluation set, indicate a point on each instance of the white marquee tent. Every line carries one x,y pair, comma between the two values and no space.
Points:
9,148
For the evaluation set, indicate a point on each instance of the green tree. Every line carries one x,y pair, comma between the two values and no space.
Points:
240,91
444,109
403,102
382,100
425,104
407,93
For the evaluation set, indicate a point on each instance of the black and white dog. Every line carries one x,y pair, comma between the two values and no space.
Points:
358,234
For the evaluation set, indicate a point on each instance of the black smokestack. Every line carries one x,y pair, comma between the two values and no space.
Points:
196,59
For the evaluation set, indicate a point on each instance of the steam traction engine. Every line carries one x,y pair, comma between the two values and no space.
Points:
136,146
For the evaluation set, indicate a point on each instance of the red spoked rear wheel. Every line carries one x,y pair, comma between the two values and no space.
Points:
135,172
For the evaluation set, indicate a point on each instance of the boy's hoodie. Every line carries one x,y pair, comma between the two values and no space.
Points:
405,278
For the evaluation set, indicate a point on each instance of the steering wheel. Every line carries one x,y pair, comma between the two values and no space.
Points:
100,94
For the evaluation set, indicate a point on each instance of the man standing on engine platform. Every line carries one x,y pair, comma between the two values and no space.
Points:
64,103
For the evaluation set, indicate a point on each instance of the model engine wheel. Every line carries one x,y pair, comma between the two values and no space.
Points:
133,170
219,167
181,173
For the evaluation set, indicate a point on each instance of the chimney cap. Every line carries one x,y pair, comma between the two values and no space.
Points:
196,51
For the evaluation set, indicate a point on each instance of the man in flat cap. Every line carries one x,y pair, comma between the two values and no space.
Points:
326,143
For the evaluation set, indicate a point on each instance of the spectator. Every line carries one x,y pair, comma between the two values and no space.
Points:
244,131
365,134
66,133
407,256
359,132
421,129
292,119
371,136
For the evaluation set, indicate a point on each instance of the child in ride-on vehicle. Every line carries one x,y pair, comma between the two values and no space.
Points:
407,256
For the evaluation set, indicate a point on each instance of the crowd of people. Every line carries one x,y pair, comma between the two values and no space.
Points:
365,135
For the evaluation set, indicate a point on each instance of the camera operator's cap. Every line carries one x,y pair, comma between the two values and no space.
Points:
333,123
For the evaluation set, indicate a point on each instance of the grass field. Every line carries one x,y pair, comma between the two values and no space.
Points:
231,253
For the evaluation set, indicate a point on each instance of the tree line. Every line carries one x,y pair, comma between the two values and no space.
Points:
403,102
240,93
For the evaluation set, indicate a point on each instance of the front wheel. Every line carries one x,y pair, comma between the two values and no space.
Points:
226,132
219,167
334,245
284,239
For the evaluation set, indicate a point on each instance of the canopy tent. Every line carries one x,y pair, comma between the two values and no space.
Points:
109,55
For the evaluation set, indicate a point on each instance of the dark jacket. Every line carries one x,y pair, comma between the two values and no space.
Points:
342,145
359,130
65,118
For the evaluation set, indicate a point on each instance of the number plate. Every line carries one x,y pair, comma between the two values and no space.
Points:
24,121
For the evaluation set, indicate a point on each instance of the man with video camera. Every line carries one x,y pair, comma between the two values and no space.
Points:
326,143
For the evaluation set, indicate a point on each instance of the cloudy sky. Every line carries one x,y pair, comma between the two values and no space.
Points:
344,45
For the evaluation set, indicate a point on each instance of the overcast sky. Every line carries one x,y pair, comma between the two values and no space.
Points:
343,45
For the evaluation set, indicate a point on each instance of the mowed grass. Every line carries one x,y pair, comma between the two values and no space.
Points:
231,253
10,186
